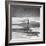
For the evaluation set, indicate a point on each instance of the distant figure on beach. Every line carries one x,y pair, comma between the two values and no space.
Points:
27,23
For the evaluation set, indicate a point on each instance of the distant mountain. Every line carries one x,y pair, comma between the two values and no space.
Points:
34,24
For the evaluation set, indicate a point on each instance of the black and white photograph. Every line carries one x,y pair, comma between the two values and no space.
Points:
25,22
